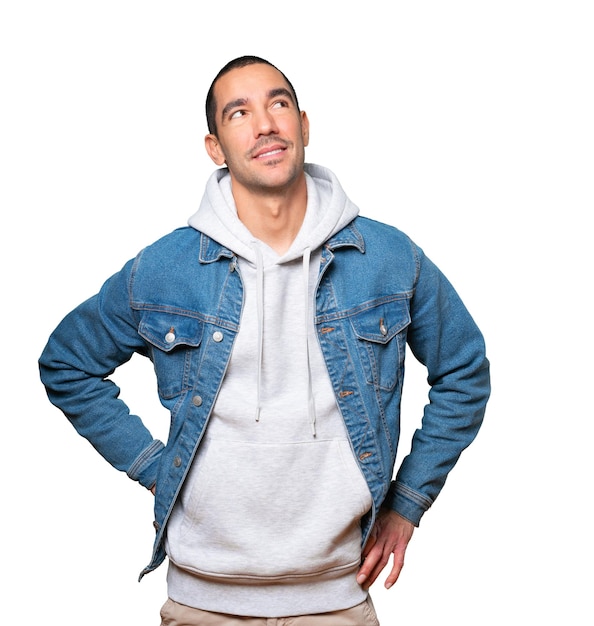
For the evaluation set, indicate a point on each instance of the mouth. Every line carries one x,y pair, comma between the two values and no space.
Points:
269,151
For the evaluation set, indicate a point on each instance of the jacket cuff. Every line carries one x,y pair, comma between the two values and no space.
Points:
406,502
144,468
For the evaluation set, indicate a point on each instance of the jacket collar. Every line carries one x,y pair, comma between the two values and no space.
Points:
349,236
211,250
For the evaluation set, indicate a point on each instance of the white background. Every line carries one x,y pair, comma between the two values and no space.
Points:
466,124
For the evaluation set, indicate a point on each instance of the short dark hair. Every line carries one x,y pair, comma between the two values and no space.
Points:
211,105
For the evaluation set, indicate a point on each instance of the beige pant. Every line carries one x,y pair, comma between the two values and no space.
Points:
175,614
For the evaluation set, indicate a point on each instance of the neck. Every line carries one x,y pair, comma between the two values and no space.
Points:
274,218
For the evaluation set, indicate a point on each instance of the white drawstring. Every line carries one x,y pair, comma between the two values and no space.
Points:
260,312
311,408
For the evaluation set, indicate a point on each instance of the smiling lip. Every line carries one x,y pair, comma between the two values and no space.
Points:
269,151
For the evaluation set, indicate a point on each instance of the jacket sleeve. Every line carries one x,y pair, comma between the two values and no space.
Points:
81,354
444,338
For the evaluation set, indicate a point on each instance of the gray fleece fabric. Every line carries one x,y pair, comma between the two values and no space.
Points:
268,521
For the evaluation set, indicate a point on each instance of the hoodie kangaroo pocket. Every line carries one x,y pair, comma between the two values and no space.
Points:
270,511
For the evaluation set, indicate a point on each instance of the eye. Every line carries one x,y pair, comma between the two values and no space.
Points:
237,114
279,104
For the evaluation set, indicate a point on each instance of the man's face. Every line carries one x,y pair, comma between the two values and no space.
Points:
261,135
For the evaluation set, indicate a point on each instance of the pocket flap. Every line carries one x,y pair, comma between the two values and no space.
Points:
380,323
167,330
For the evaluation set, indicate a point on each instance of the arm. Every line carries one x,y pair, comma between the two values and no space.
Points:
83,351
443,337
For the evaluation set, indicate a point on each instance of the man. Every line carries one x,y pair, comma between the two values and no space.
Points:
277,323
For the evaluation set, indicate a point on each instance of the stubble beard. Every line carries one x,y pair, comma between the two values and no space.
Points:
260,183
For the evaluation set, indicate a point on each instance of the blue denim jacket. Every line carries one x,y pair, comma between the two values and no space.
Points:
179,303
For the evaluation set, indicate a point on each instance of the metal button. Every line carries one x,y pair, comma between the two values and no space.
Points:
217,336
170,336
197,400
383,327
176,461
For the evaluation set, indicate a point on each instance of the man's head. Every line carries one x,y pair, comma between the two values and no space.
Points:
211,104
256,127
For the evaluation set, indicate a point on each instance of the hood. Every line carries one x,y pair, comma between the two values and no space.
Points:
328,211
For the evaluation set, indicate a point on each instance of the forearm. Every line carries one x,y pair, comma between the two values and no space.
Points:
88,345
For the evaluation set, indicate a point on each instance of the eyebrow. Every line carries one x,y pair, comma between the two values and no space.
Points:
281,91
231,105
273,93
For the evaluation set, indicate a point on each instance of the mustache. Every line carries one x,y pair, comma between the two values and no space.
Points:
269,141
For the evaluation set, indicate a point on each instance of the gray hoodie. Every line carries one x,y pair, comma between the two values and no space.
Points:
268,521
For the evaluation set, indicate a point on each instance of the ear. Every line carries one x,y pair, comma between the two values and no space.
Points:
213,147
305,128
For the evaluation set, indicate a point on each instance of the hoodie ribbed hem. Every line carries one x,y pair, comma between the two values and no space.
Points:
308,596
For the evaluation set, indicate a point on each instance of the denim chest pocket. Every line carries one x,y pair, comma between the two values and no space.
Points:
380,330
173,341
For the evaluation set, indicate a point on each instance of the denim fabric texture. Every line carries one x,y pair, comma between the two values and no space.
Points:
179,303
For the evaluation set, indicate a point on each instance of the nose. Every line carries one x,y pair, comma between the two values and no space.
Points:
264,123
